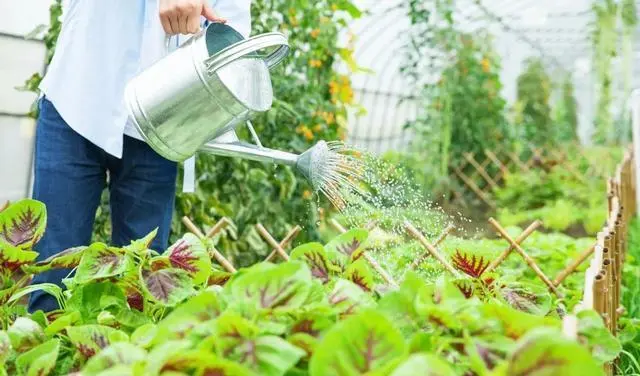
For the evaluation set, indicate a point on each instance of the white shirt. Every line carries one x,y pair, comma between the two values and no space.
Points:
102,45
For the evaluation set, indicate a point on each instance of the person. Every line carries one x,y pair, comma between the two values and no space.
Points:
84,132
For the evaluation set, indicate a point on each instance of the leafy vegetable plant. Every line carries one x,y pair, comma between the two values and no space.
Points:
137,311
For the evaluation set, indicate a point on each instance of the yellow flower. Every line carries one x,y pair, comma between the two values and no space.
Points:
315,33
315,63
300,129
334,7
317,128
485,65
333,87
308,135
307,194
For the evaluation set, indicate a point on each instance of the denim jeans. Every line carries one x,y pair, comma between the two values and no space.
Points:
70,175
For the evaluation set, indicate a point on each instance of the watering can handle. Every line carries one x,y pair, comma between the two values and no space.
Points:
251,45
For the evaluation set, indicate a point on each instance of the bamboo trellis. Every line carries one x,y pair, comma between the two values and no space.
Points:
482,173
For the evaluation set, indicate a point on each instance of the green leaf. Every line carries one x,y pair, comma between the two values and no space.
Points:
62,322
428,364
516,323
591,329
117,354
5,347
22,224
49,288
201,308
191,255
238,339
25,334
360,274
346,247
366,342
166,286
528,298
139,246
348,298
67,259
91,299
144,335
545,351
40,360
161,354
90,339
100,261
267,286
314,256
12,258
400,305
349,7
213,365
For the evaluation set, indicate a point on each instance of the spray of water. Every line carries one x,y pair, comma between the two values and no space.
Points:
366,188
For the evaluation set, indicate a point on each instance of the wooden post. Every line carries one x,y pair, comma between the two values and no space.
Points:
426,254
598,294
532,264
271,241
503,256
287,239
434,252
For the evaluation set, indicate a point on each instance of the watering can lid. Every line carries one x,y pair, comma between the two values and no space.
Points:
247,78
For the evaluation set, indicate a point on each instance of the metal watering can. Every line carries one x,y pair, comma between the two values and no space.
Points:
194,98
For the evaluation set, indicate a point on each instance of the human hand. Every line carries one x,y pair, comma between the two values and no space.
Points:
183,16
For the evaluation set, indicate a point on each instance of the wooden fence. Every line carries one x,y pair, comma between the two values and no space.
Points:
603,278
479,174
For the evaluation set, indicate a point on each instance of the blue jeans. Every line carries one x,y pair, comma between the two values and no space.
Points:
70,175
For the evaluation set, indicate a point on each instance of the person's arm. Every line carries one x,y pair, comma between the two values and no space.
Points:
183,16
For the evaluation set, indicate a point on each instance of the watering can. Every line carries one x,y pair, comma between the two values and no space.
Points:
194,98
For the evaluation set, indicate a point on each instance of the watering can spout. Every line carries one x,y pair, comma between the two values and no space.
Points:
307,163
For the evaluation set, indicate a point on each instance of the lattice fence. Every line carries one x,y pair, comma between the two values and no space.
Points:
479,174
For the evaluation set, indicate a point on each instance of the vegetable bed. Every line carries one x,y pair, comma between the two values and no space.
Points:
135,311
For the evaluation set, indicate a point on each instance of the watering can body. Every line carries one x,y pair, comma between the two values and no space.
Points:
204,89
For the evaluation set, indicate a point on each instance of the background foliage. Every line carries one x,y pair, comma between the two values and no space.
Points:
533,111
464,110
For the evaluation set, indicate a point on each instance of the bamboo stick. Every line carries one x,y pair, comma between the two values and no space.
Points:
5,205
271,241
503,256
574,265
426,254
481,170
374,264
532,264
481,194
214,252
425,243
219,226
283,243
608,303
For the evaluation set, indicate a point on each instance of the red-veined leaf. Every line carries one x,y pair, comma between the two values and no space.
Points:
190,254
166,286
23,223
314,256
